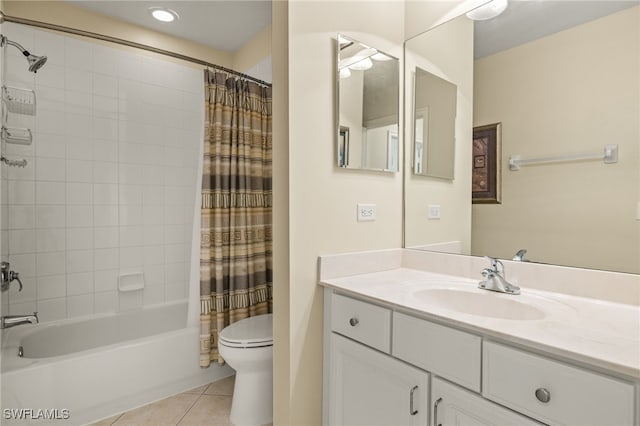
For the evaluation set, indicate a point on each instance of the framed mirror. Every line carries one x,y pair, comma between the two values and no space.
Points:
434,118
367,107
561,88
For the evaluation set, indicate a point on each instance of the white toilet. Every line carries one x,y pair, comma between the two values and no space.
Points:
247,346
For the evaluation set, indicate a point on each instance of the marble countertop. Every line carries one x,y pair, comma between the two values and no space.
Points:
605,335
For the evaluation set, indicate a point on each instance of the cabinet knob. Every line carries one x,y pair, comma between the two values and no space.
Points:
354,321
543,395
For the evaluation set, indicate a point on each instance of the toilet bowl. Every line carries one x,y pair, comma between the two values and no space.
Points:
247,346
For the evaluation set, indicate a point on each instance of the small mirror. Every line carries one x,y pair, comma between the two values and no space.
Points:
434,117
368,107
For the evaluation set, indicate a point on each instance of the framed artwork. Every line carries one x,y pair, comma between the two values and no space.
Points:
343,147
486,184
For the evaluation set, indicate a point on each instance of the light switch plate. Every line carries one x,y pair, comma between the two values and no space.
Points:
366,212
433,212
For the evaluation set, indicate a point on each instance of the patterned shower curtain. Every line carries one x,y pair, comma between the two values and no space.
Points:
236,237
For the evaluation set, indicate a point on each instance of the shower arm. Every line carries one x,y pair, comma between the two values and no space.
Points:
4,41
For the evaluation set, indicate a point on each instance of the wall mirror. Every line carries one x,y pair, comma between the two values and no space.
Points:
434,116
561,78
367,107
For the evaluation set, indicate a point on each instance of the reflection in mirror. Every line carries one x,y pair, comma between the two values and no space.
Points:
558,91
447,57
434,115
368,109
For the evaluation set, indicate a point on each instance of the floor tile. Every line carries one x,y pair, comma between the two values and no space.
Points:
108,421
209,410
199,390
222,387
168,411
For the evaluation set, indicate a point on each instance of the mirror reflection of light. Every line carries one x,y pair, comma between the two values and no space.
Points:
488,11
381,57
362,65
342,40
345,73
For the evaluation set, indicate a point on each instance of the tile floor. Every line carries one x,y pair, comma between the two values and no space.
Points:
208,405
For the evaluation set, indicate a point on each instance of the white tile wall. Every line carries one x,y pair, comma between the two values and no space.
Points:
111,182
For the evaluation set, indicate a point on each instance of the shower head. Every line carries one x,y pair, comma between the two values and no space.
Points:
35,62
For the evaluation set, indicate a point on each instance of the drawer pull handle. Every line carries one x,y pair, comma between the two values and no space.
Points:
435,412
354,322
411,410
543,395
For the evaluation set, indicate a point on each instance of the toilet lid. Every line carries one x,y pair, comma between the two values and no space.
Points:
250,332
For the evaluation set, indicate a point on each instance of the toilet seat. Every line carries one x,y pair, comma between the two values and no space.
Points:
253,332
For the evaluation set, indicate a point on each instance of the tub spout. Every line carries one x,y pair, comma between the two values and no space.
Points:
13,320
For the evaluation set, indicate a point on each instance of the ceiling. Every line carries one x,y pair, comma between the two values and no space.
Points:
221,24
526,20
228,24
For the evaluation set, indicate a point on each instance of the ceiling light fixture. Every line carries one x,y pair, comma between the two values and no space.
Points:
488,11
164,14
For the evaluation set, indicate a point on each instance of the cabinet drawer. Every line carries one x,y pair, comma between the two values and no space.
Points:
444,351
573,396
361,321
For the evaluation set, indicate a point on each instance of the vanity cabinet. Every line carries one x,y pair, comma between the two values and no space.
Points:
370,388
379,363
447,352
552,391
455,406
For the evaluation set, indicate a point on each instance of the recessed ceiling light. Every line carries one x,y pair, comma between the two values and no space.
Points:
163,14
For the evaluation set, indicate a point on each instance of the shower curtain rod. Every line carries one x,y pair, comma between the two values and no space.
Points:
48,26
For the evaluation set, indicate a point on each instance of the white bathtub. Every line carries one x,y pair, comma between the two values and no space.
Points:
91,368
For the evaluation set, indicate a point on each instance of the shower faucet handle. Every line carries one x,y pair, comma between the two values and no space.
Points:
15,276
7,276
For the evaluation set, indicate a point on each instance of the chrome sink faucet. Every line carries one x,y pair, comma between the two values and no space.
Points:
495,280
520,256
13,320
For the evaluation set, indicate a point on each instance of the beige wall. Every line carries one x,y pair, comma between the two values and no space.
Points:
581,213
322,198
253,52
281,247
445,51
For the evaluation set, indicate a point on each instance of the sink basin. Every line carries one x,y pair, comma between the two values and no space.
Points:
480,303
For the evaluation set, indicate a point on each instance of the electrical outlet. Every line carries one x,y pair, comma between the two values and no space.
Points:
433,212
366,212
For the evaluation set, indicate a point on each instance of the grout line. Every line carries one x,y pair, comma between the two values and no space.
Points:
189,409
118,418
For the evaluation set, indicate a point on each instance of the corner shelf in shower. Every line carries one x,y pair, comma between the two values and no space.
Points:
15,135
19,101
16,101
13,163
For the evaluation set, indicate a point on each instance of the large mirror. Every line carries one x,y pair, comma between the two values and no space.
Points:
368,107
562,80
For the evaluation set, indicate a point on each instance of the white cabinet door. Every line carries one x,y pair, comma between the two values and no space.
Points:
455,406
369,388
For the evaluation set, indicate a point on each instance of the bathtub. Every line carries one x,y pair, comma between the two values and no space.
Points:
78,371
